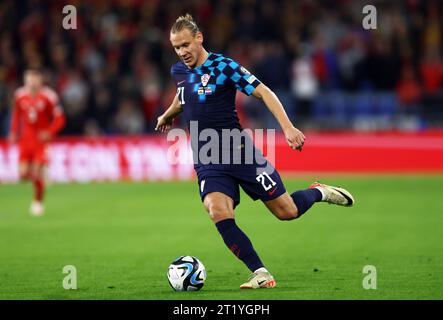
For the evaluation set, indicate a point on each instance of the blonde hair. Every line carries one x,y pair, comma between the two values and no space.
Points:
185,22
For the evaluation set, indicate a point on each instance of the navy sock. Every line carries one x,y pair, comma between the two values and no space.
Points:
304,199
239,243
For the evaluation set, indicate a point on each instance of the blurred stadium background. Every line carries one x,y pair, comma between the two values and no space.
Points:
113,72
369,101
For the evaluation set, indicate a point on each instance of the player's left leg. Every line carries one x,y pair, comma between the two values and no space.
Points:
264,182
283,207
37,208
288,207
37,174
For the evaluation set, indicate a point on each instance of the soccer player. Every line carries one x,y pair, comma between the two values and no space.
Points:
206,87
36,118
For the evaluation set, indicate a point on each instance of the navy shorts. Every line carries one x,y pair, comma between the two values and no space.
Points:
258,181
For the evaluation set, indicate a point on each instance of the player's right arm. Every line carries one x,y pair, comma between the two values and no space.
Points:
15,121
165,121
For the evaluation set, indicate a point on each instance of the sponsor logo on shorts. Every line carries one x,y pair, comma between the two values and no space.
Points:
202,185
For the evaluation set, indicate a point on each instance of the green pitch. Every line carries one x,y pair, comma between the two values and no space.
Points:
122,237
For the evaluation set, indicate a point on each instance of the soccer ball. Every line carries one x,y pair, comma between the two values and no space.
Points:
186,273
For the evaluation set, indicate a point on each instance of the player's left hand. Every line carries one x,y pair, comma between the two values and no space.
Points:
44,136
295,138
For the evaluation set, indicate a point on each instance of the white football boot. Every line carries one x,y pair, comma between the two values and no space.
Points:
334,195
37,209
259,280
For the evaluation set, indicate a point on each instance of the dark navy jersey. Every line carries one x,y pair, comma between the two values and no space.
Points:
207,92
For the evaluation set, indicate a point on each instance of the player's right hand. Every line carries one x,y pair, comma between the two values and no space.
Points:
12,138
163,124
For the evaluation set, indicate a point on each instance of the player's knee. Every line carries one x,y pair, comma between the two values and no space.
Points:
218,212
25,175
287,213
36,174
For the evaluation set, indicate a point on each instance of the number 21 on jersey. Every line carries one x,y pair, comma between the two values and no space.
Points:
180,94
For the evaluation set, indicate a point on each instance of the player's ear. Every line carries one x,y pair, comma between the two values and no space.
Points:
199,37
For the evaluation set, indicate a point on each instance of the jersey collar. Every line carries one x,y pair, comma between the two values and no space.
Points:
207,61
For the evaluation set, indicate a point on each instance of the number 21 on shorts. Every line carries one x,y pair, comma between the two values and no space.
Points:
266,181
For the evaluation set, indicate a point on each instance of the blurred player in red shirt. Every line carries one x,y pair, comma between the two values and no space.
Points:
36,118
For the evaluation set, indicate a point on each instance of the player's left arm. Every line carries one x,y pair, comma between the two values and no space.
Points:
58,117
294,137
58,121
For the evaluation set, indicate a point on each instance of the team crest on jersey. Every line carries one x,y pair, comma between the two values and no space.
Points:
204,89
205,79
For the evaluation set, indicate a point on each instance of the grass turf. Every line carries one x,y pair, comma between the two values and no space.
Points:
121,238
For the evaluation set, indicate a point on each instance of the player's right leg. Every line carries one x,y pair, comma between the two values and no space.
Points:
24,163
221,210
24,170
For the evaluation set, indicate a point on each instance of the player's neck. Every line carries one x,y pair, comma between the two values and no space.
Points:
34,91
202,58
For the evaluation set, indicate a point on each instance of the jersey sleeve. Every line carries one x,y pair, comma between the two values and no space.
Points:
58,117
52,98
241,78
15,116
174,72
